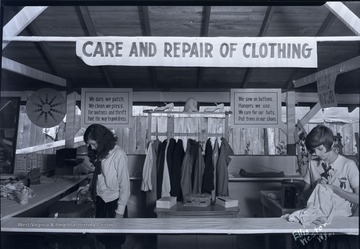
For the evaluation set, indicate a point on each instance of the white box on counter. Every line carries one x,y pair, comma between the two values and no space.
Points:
166,202
226,201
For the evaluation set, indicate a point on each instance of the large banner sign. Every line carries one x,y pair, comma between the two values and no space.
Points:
256,108
199,51
107,106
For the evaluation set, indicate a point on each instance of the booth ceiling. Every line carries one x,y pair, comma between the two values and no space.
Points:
58,58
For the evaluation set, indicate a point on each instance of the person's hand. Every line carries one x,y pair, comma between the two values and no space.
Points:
119,216
322,181
83,189
334,188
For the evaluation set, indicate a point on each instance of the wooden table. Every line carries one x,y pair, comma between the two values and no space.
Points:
49,189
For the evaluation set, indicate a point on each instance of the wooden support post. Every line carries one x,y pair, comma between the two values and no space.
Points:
290,114
266,142
70,120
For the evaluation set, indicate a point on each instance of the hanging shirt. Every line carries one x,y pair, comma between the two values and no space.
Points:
175,176
146,184
222,178
166,187
208,179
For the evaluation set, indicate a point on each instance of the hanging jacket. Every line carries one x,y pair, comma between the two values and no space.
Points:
175,174
222,178
160,167
215,158
198,169
187,167
208,178
165,187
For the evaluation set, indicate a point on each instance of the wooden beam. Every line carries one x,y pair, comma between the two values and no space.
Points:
343,99
146,29
310,114
205,23
263,30
345,15
19,68
145,20
70,120
45,51
340,68
90,28
74,39
20,21
208,97
47,146
330,18
323,28
204,32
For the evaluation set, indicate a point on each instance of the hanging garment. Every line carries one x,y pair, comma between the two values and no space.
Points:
165,187
198,169
175,174
146,184
321,207
187,167
222,176
208,178
151,196
215,158
160,167
170,159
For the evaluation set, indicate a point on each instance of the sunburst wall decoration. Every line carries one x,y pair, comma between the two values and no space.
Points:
46,108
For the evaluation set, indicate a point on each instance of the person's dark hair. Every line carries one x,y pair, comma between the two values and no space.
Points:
319,135
103,137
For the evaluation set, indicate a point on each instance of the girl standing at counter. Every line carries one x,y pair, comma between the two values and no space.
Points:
110,186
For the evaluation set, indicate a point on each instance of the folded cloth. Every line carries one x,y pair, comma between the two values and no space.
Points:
243,173
321,207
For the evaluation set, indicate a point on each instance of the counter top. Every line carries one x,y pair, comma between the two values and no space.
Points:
48,189
339,225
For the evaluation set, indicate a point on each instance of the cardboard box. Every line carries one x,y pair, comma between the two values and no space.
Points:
166,202
226,201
